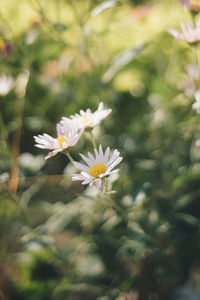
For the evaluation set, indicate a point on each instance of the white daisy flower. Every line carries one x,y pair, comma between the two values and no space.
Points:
98,166
87,119
190,34
6,84
68,135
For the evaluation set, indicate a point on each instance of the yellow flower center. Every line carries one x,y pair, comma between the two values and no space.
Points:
2,44
85,120
61,139
97,169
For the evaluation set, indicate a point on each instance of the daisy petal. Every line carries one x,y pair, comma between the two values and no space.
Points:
116,162
97,167
87,160
52,153
81,166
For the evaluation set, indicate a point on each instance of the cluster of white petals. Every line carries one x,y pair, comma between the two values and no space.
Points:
87,119
69,130
68,135
98,166
190,34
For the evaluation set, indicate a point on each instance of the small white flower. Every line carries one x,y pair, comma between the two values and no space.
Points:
6,84
67,136
190,34
196,105
98,166
87,119
192,80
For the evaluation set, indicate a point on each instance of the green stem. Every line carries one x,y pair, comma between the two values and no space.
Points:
93,140
105,185
69,156
196,63
195,54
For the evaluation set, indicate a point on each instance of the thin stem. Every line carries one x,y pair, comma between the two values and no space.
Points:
15,148
195,54
69,156
92,139
105,185
196,66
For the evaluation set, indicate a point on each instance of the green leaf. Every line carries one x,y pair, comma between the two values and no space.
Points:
188,219
121,60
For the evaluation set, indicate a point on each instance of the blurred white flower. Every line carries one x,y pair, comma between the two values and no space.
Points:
190,34
6,84
192,81
87,119
196,105
4,177
31,162
68,135
98,166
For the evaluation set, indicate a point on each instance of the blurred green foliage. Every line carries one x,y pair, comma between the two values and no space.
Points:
60,240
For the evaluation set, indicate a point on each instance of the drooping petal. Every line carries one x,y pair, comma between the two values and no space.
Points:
52,153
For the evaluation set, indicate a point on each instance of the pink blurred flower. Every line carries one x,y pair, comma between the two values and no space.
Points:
190,34
198,143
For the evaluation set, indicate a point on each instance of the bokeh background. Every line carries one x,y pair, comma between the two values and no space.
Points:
59,239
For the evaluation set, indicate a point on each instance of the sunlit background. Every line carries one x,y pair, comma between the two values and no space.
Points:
62,240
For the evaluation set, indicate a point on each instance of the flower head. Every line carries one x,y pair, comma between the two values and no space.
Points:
67,136
87,119
190,34
98,166
193,5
